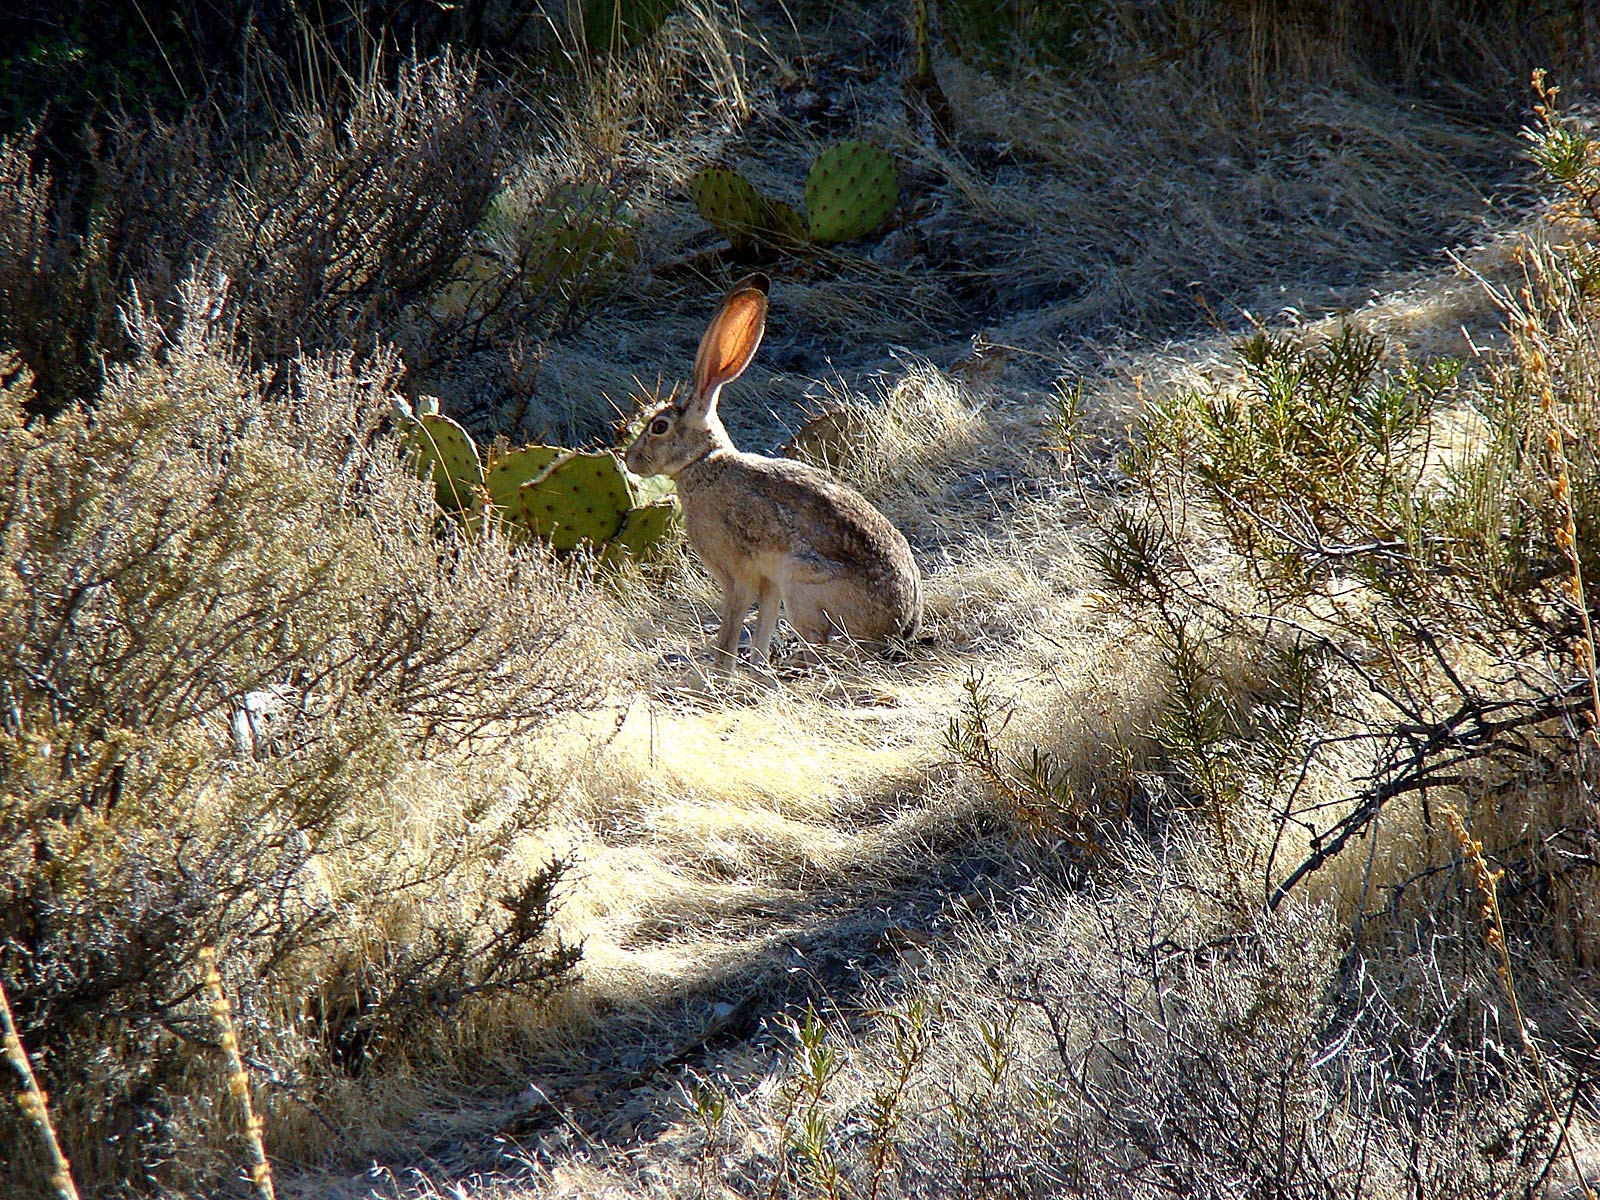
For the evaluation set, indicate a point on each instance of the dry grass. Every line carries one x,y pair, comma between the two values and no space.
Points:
1108,1018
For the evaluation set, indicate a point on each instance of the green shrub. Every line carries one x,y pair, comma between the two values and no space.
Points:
1406,549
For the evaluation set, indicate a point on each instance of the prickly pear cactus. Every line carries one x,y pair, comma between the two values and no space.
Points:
785,225
511,470
644,531
445,454
583,498
731,205
569,498
505,475
647,489
618,24
851,190
578,241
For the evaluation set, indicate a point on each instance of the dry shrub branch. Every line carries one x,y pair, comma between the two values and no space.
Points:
351,226
249,698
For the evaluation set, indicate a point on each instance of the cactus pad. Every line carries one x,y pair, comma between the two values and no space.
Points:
511,470
645,531
444,453
730,204
578,240
647,489
505,475
851,190
785,225
581,498
618,24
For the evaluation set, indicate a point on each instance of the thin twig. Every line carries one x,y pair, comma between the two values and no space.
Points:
35,1104
238,1079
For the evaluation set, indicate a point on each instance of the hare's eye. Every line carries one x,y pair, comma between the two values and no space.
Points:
660,425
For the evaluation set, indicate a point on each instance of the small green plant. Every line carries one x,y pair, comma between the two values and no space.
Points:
850,191
1564,152
818,1063
1033,787
569,499
708,1103
1314,463
910,1040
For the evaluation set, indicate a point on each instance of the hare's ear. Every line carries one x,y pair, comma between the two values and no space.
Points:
731,340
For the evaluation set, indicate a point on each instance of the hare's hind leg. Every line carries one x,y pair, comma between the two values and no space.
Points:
818,616
804,609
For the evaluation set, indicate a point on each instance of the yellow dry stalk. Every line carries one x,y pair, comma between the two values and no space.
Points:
1566,525
35,1103
1488,884
238,1080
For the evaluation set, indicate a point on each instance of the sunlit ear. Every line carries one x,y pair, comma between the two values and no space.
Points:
730,342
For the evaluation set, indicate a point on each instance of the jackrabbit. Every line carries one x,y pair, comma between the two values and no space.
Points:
768,529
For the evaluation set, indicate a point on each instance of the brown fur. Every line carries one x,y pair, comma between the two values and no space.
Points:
769,530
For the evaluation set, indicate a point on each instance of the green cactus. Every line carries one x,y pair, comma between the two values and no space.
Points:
643,532
618,24
785,225
578,241
507,473
582,498
444,453
731,205
851,190
569,498
1018,35
647,489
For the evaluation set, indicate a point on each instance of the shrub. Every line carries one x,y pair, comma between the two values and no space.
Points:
328,233
1144,1040
208,545
1329,510
344,222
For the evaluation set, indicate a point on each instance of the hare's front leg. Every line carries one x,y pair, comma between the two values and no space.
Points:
736,599
766,621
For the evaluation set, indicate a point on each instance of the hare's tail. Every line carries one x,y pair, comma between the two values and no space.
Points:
909,632
912,627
